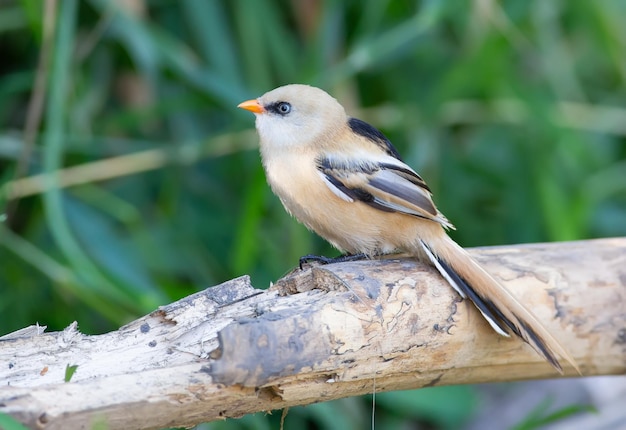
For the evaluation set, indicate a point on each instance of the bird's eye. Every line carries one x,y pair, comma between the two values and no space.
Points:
283,108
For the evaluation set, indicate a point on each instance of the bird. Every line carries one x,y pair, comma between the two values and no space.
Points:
344,180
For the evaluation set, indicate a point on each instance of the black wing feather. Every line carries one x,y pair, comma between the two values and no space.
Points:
357,194
374,135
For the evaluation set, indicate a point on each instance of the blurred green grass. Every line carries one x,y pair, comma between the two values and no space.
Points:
512,111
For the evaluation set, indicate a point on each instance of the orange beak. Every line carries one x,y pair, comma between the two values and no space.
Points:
252,105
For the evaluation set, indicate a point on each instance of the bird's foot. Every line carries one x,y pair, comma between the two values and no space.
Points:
329,260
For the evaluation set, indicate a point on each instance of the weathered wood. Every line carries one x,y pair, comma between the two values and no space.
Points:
320,334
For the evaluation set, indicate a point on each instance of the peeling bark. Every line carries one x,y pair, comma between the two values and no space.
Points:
319,334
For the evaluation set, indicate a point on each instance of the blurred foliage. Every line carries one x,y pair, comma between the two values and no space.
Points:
540,417
512,111
9,423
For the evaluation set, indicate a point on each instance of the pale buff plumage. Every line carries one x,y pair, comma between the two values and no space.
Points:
342,179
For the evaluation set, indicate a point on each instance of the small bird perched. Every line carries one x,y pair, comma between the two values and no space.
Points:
343,179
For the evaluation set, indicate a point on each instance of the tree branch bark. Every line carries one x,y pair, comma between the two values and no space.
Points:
319,334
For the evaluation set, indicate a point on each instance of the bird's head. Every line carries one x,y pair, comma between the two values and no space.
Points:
296,115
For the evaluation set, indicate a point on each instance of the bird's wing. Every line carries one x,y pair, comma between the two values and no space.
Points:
385,183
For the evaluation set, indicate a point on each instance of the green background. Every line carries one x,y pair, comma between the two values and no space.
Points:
512,111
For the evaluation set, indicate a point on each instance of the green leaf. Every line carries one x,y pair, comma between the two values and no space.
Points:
69,372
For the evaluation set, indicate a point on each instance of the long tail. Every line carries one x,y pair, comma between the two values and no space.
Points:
503,311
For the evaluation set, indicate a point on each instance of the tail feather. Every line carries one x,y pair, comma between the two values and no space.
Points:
486,308
503,311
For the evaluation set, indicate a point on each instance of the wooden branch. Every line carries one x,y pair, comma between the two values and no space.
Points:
317,335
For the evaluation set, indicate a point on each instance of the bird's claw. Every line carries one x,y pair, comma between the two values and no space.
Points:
320,259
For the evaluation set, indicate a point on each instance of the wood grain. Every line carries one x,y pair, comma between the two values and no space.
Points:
319,334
